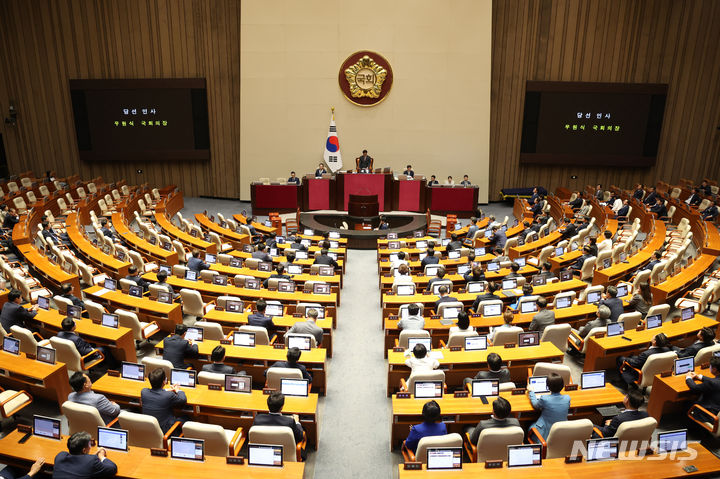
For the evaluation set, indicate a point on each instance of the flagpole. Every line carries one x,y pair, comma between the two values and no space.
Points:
332,110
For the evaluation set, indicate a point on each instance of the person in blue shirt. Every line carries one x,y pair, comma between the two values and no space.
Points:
553,407
431,426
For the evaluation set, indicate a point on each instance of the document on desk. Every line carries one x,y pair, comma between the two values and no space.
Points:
101,291
436,354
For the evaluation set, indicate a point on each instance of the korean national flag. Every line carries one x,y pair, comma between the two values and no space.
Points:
332,148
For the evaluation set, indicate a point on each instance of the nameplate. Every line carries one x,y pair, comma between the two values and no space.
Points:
96,320
240,460
509,345
272,289
493,464
600,335
113,373
219,308
31,356
518,391
268,391
225,341
402,395
427,293
435,316
279,346
705,366
393,316
573,459
218,387
571,387
158,452
24,428
665,374
297,315
455,348
461,394
676,319
476,315
390,293
640,327
412,466
398,349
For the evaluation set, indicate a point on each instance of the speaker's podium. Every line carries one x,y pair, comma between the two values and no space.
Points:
363,209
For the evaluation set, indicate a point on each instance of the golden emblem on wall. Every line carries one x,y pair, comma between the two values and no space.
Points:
365,78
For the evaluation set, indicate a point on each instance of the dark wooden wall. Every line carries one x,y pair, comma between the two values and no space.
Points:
633,41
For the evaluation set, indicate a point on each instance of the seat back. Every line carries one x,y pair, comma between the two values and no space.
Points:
565,294
66,352
302,307
222,300
395,285
274,375
28,343
154,363
457,338
95,310
557,334
275,435
448,440
192,302
706,353
128,319
143,430
588,268
563,435
211,331
493,442
656,364
661,309
545,254
216,441
435,375
638,432
206,377
630,320
544,369
591,334
411,333
82,417
507,335
261,334
449,304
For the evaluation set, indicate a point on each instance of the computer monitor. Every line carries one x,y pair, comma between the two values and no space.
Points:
334,234
194,334
265,455
428,389
593,297
492,310
294,387
135,291
11,345
687,313
133,371
480,251
421,244
183,377
539,280
191,275
475,343
563,302
520,261
294,269
308,232
393,245
444,458
326,270
247,248
485,387
493,266
475,287
566,275
451,312
43,302
46,427
45,355
538,384
166,245
559,251
421,256
238,383
301,254
653,321
219,280
427,342
488,233
210,258
607,262
672,441
623,257
615,329
110,438
242,338
265,266
622,290
74,311
252,283
119,254
432,270
321,288
187,449
110,284
509,283
110,320
436,288
303,343
320,310
286,286
445,241
236,262
528,307
529,338
453,254
163,268
405,290
274,309
684,365
592,380
234,306
164,297
602,449
463,269
525,455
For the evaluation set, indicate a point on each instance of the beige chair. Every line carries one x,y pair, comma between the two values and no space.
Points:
590,289
661,309
706,353
634,434
261,334
544,369
588,268
410,333
526,299
206,275
82,417
32,199
126,283
281,436
252,263
493,442
29,341
409,385
192,303
144,430
151,364
557,334
218,441
698,304
562,437
141,330
44,191
222,301
205,377
506,335
448,440
12,402
457,338
274,375
20,204
140,263
565,294
183,255
449,304
179,270
211,331
395,286
66,352
488,302
224,259
302,307
630,320
655,364
95,310
154,289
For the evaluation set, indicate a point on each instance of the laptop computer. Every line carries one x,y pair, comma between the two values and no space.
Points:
265,455
110,320
194,334
274,309
294,269
110,284
509,283
563,302
187,449
405,290
74,311
672,441
238,383
622,290
490,310
294,387
242,338
538,384
593,297
442,458
684,365
615,329
133,371
110,438
653,321
427,342
303,343
183,377
43,302
687,313
602,449
475,287
525,455
46,427
233,306
592,380
431,270
220,280
164,297
191,275
428,389
45,355
528,307
485,388
11,345
493,266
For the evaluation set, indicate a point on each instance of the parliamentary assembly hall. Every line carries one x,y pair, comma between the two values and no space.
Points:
398,239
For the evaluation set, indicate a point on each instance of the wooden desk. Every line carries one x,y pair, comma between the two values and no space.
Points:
147,310
529,248
40,379
459,365
148,250
49,274
601,353
120,339
281,259
334,281
217,407
675,285
255,361
458,413
104,262
421,281
137,463
634,467
165,209
226,235
668,394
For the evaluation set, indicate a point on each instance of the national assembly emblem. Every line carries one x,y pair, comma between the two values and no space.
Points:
365,78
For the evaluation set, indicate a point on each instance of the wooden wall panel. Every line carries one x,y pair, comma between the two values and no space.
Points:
643,41
47,42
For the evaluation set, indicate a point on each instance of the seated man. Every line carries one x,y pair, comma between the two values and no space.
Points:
275,403
431,426
455,244
615,304
623,209
657,257
651,196
324,258
83,394
258,318
632,401
694,199
600,321
177,349
295,243
711,212
496,370
279,273
261,254
217,356
705,338
159,402
543,318
514,268
439,276
472,229
309,327
293,356
66,292
659,208
498,238
420,361
402,276
162,281
395,264
465,181
709,388
578,201
134,276
606,243
430,258
500,418
587,254
488,295
546,271
15,315
413,320
443,292
105,229
476,274
450,181
659,344
79,463
409,171
82,346
321,170
195,263
433,181
293,180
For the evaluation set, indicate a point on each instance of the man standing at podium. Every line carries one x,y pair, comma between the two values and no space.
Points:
364,161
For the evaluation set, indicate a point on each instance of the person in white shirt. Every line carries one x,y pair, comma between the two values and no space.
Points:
617,204
403,276
450,181
606,244
400,260
507,318
413,321
419,361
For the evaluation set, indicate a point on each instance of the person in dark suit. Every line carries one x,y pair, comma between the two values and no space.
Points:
536,208
599,193
711,212
134,276
476,274
571,229
293,356
430,258
279,273
296,244
274,417
546,272
365,161
258,318
660,344
48,233
498,237
66,292
587,254
487,295
159,402
409,171
83,394
433,181
15,315
495,370
11,472
709,388
217,356
659,208
624,209
466,181
383,225
705,338
543,318
657,256
162,281
454,244
324,258
11,219
440,276
615,304
261,254
651,196
639,192
601,320
105,230
500,418
444,296
293,180
68,332
79,463
320,170
705,188
578,201
176,348
514,268
431,426
633,400
535,195
195,263
694,199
